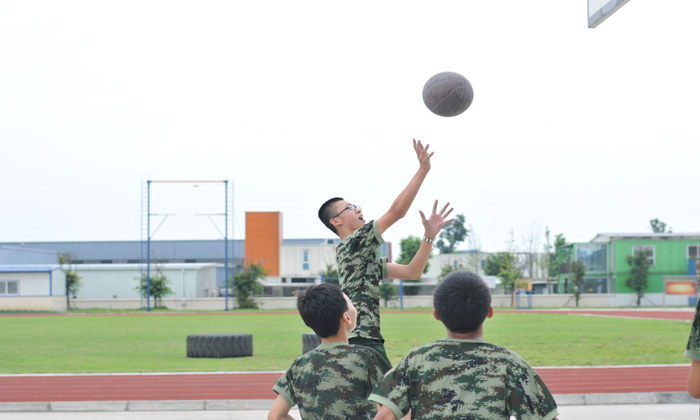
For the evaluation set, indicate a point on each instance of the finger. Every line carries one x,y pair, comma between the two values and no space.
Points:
444,208
422,216
448,222
447,214
435,206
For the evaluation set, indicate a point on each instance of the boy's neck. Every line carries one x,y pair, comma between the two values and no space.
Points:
476,335
341,337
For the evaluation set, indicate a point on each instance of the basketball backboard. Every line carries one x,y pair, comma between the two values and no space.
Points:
599,10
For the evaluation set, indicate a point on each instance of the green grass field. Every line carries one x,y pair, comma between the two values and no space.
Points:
157,343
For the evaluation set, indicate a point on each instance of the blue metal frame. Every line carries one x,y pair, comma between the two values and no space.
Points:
148,240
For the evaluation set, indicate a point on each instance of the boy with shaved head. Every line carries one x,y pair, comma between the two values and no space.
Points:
358,265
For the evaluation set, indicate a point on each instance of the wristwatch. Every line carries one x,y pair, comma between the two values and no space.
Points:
428,240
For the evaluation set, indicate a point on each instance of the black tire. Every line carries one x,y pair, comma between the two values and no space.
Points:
219,345
309,342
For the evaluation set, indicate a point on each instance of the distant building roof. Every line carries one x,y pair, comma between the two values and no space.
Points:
607,237
28,268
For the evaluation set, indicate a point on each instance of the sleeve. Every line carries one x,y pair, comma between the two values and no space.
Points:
692,349
283,387
528,396
392,391
369,238
378,367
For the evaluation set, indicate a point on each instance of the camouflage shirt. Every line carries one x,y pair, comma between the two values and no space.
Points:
333,381
360,272
464,379
692,349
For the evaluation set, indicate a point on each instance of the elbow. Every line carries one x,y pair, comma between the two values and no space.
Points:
413,275
694,391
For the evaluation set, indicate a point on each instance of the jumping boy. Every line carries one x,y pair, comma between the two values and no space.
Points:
334,380
462,376
359,268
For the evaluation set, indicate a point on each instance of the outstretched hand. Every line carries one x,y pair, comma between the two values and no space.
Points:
436,221
422,154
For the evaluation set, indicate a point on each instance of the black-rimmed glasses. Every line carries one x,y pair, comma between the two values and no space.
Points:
351,207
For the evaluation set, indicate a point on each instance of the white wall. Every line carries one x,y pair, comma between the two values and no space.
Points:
289,303
319,256
110,281
34,303
472,262
39,284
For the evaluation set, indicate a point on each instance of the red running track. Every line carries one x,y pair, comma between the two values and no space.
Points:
258,386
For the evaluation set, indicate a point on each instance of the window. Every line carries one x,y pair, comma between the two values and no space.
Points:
649,250
595,285
693,252
593,256
305,260
9,287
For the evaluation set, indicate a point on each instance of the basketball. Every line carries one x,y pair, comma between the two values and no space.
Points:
448,94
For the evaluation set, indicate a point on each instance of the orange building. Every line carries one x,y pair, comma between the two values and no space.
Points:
263,240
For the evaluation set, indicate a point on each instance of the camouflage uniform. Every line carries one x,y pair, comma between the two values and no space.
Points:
692,349
464,379
333,381
360,273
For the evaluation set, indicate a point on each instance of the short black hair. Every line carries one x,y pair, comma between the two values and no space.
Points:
321,306
462,301
325,213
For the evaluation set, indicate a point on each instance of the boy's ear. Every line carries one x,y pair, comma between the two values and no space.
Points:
435,314
490,314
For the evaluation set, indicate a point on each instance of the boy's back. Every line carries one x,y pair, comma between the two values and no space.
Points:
333,381
461,378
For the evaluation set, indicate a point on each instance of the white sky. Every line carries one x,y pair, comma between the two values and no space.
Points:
581,130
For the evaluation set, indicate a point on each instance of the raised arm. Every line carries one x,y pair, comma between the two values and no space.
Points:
403,202
432,226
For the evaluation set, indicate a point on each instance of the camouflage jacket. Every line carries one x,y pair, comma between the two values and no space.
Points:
692,349
465,379
360,272
333,381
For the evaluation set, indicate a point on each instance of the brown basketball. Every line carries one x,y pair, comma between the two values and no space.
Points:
448,94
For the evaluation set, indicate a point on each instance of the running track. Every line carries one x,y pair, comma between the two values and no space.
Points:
257,385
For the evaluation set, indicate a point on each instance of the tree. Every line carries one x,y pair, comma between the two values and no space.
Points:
639,274
552,262
474,251
452,234
73,283
387,292
331,275
448,268
504,265
409,248
245,285
532,245
657,226
160,287
578,271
